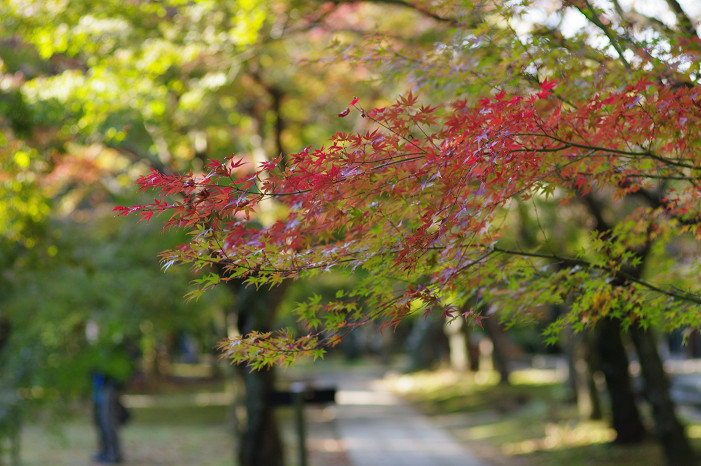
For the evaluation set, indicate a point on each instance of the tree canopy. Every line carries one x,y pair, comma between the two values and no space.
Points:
423,193
93,95
472,159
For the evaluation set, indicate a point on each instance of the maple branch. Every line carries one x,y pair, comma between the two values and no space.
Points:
532,78
392,157
555,35
625,153
570,262
424,11
478,260
594,18
652,176
634,16
388,128
136,155
396,162
655,200
276,96
684,21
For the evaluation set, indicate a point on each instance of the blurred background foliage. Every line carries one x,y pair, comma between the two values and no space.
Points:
101,93
93,94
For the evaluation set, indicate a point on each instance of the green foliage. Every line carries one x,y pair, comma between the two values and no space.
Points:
168,85
595,126
96,278
92,93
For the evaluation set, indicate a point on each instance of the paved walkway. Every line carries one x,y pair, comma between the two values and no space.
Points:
377,428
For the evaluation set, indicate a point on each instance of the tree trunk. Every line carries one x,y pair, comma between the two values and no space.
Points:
667,427
473,352
613,362
259,442
671,434
500,360
582,364
427,342
11,408
464,352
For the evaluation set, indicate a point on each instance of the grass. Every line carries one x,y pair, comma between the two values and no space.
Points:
73,442
529,422
170,431
523,424
184,424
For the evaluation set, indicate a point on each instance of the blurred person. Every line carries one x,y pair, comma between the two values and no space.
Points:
109,415
113,368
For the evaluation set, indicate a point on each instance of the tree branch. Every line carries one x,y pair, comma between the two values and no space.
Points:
594,18
570,262
451,21
685,23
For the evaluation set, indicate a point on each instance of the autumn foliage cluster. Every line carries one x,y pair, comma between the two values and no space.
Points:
418,202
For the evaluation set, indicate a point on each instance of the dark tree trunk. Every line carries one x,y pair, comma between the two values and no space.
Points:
613,362
427,342
11,409
473,353
671,434
259,441
581,355
500,360
464,351
667,427
4,331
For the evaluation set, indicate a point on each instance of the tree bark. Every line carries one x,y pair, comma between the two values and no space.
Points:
464,352
259,442
613,362
11,409
582,365
427,342
500,360
668,429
